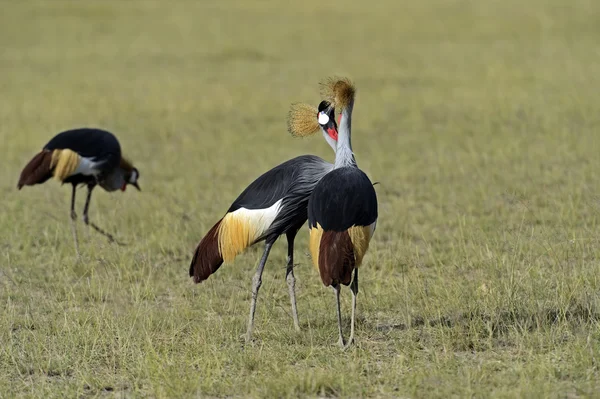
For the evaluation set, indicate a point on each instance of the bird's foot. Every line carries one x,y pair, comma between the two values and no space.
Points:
348,344
247,338
73,215
341,342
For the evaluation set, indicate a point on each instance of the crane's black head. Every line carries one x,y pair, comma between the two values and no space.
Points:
132,178
326,117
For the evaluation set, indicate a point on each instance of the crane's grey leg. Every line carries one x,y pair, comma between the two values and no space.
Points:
74,220
337,289
289,277
256,283
354,289
86,218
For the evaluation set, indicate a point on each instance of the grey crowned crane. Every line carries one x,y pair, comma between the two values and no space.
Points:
342,210
272,205
82,156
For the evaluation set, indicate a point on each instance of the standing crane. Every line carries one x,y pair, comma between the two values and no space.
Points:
82,156
342,210
272,205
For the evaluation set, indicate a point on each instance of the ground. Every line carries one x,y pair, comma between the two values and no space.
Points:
478,118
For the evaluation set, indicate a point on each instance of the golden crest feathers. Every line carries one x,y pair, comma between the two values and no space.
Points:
339,91
302,120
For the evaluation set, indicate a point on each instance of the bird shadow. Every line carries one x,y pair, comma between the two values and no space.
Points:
106,234
111,238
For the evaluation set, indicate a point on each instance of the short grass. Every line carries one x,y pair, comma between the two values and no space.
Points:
479,118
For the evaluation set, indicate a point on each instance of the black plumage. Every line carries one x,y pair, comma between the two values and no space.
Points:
274,184
345,197
89,143
291,182
98,145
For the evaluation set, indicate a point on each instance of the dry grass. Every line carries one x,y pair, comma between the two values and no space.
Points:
480,120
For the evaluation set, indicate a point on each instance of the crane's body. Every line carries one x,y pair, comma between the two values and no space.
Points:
272,205
342,215
83,156
342,211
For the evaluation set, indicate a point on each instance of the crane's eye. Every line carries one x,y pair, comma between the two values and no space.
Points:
323,118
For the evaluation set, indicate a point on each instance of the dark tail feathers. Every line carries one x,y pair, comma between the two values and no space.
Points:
336,258
37,170
207,258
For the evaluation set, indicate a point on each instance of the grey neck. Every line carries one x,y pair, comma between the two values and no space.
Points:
344,155
114,180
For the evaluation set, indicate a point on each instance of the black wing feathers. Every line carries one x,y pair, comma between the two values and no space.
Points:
273,185
344,198
90,143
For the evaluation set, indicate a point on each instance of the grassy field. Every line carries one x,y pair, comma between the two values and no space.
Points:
479,118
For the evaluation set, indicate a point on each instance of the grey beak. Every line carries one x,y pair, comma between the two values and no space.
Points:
136,185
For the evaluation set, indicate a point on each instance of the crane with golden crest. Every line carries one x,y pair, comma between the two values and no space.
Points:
272,205
342,209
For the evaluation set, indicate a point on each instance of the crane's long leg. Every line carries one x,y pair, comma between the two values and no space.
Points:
354,289
73,216
337,289
256,283
86,208
289,277
86,218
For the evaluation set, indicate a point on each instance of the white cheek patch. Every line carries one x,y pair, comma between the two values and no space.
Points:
133,177
323,118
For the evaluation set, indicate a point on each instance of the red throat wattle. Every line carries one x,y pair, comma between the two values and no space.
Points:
332,133
124,186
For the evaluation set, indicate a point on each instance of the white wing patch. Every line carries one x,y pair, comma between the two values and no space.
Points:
86,167
241,228
259,219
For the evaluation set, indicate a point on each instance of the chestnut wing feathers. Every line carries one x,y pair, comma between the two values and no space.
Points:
37,171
